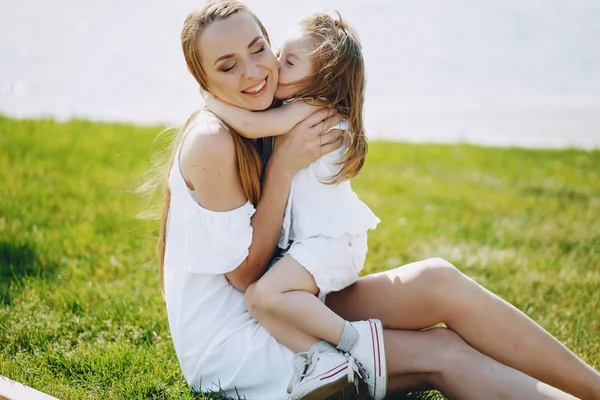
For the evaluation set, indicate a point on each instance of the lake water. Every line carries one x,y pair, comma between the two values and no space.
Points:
505,72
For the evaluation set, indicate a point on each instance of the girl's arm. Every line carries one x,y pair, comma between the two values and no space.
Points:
258,124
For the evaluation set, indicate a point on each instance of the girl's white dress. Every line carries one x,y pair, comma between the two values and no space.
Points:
325,225
218,344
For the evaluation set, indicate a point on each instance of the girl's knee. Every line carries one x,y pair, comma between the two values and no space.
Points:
260,296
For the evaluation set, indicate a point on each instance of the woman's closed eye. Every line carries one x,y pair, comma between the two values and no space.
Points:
228,69
259,50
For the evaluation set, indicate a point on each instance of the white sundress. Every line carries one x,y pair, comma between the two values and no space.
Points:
218,344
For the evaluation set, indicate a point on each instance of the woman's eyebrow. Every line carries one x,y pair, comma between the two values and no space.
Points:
226,56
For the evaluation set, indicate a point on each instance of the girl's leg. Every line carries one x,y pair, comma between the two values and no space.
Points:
440,358
328,370
287,292
291,337
425,293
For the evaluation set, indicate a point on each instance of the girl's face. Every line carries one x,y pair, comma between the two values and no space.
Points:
240,67
295,63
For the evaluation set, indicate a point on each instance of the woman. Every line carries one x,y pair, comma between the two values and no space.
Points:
220,227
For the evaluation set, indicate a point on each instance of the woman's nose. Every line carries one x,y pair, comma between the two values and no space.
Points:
252,71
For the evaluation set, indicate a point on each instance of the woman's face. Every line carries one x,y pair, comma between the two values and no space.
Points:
240,67
295,63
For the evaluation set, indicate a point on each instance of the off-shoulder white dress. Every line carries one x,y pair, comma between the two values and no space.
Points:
218,344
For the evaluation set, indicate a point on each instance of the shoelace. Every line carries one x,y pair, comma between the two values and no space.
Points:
308,364
355,366
305,367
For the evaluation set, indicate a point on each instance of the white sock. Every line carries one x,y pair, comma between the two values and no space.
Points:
349,338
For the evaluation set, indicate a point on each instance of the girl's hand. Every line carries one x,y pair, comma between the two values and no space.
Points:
307,142
209,99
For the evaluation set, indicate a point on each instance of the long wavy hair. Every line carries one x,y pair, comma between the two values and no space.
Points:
338,80
249,163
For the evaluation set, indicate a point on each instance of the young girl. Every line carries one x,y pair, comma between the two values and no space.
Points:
324,234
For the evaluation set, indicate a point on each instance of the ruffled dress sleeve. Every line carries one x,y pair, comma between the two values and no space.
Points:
216,242
207,242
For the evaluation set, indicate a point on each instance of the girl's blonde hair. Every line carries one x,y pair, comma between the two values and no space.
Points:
338,79
248,160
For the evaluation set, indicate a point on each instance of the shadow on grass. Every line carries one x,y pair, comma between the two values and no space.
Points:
417,395
17,262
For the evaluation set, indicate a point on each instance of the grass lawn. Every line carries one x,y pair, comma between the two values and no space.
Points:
81,315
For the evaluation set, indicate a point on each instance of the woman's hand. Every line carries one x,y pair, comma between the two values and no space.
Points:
307,142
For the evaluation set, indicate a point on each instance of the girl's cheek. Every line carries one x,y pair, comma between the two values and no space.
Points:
282,74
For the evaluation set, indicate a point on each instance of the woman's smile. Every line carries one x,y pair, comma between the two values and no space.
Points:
258,89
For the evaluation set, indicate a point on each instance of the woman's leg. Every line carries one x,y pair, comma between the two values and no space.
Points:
440,358
436,358
425,293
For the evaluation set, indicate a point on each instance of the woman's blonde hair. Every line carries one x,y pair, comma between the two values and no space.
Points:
248,160
338,79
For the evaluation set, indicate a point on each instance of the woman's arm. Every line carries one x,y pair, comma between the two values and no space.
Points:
208,163
257,124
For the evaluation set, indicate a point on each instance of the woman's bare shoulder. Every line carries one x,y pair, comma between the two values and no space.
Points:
205,137
209,166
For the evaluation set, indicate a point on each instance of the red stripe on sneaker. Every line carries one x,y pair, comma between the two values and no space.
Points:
335,373
334,368
374,360
378,348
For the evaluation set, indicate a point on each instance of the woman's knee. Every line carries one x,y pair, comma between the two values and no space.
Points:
453,358
449,350
434,353
437,273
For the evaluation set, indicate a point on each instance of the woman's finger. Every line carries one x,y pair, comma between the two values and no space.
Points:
329,147
331,136
329,123
319,116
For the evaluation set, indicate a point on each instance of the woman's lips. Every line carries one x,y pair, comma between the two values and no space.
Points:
261,91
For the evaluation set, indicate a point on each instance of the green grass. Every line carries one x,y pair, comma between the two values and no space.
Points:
80,311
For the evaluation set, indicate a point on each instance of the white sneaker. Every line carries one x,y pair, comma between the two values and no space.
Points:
368,357
320,374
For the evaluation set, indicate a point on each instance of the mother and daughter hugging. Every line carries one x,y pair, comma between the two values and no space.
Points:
267,164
